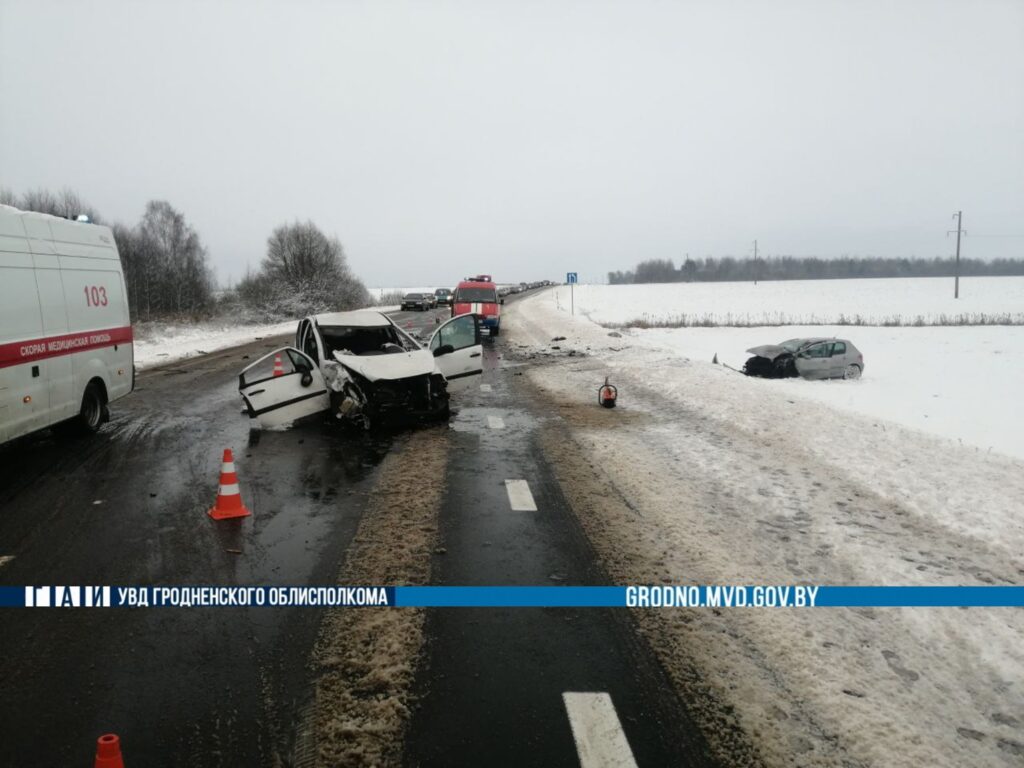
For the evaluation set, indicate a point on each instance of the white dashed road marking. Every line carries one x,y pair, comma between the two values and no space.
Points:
485,387
495,422
5,559
600,742
519,496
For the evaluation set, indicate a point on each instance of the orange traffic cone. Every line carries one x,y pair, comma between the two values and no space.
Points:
229,500
278,366
108,752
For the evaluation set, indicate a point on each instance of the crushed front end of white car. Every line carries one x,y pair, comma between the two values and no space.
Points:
366,390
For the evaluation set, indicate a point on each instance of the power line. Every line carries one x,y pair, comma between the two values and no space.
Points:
976,236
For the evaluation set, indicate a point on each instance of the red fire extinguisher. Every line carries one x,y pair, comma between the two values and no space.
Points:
607,394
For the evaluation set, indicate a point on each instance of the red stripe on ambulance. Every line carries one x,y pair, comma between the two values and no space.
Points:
19,352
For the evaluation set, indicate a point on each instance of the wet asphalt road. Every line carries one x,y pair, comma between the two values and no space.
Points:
223,686
208,687
491,689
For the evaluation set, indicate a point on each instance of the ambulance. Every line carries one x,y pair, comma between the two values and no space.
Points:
65,336
479,296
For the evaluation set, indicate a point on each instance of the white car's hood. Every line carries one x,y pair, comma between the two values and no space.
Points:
389,367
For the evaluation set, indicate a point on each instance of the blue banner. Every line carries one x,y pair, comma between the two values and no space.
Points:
334,596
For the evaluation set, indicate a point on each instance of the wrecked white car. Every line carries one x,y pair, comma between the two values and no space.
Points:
814,358
362,368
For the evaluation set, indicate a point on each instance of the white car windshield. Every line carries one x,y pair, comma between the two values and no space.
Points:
361,340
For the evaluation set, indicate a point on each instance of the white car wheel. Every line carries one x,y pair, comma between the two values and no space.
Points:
852,371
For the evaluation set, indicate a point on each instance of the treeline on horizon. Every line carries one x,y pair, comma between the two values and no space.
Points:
729,269
168,273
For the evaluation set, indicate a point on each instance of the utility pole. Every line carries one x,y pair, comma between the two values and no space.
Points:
755,262
959,216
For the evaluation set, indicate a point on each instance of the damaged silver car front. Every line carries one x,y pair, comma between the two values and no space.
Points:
812,358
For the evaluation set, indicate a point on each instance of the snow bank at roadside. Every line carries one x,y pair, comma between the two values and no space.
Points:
727,481
159,343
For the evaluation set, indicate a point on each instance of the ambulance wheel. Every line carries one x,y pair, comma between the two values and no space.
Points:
94,411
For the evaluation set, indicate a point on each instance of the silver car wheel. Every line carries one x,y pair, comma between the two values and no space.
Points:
852,372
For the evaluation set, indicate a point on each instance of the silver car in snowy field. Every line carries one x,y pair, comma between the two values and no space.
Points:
814,358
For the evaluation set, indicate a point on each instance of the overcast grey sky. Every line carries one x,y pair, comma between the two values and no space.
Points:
525,138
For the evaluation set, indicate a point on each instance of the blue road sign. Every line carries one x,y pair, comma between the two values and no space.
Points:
570,277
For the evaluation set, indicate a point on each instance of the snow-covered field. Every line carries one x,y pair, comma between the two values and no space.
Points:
962,382
731,480
959,382
900,301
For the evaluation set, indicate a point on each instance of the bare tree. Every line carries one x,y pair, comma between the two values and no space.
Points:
172,251
167,272
70,205
40,200
305,270
67,204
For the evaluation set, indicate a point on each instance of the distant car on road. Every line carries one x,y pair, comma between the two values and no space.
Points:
443,296
811,358
417,301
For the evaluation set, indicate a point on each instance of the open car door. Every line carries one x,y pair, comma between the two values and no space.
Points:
282,387
458,352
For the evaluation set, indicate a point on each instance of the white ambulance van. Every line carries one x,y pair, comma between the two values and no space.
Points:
65,337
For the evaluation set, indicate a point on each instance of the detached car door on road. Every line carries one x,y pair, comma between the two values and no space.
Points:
458,351
278,395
